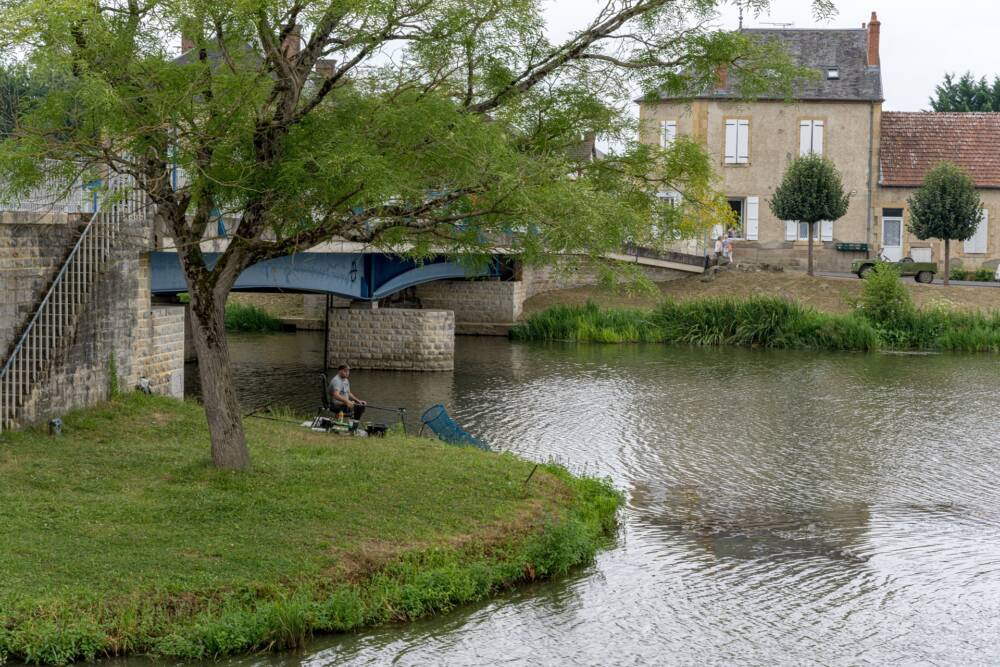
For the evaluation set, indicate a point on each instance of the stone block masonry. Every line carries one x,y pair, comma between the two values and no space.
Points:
393,339
118,320
475,301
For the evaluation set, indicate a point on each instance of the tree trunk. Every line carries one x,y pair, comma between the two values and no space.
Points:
947,260
809,253
225,426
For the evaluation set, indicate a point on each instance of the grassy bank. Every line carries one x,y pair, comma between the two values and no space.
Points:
764,322
248,317
120,538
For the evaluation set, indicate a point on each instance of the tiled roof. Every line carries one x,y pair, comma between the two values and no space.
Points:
845,50
912,143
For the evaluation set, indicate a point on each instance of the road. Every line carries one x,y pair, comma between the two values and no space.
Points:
937,281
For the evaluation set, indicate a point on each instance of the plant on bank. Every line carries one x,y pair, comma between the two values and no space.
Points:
947,207
249,317
810,191
287,117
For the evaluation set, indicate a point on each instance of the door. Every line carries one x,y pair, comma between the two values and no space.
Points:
892,238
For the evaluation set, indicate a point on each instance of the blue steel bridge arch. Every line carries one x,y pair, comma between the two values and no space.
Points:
360,276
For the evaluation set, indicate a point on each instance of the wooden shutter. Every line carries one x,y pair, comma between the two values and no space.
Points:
668,132
791,230
978,243
743,143
753,218
817,137
731,140
805,137
826,230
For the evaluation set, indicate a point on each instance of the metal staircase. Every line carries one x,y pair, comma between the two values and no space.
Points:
52,327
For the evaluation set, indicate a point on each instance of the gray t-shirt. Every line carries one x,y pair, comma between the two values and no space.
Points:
343,385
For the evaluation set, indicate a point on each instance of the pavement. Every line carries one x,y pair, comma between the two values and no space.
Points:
937,281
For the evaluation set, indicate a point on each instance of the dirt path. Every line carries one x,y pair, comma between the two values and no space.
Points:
822,293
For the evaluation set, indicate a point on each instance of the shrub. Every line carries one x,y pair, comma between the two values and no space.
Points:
984,275
885,301
247,317
957,273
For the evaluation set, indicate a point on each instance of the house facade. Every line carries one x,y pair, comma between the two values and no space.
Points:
837,114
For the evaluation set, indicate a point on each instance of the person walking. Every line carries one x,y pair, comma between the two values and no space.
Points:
727,247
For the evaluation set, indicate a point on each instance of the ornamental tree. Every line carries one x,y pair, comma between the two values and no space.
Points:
416,126
810,191
947,206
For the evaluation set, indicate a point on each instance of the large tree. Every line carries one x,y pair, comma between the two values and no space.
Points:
947,206
810,191
424,125
966,94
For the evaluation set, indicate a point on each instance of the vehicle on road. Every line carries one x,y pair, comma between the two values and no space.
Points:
922,272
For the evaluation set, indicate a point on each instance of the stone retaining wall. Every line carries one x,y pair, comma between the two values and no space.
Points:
794,255
118,321
393,338
566,274
475,301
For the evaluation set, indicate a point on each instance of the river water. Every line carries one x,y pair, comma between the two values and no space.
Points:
782,507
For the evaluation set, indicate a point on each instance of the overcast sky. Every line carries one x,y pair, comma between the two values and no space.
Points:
921,39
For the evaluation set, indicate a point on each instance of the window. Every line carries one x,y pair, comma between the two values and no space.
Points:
799,231
737,141
803,231
811,137
832,73
668,132
977,245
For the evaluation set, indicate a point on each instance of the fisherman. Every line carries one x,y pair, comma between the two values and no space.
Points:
341,397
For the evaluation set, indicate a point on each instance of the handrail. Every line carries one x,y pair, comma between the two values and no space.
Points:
51,317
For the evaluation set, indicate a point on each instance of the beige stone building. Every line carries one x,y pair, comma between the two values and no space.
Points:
911,144
883,157
836,114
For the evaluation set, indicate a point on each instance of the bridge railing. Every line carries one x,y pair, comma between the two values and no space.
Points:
53,324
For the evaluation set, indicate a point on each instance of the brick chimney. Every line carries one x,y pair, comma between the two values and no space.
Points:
290,45
873,40
722,77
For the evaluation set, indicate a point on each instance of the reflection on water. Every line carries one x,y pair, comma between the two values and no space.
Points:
782,507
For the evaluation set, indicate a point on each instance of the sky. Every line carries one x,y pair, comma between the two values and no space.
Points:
921,39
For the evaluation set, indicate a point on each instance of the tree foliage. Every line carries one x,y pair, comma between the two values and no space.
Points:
810,191
947,207
966,94
421,126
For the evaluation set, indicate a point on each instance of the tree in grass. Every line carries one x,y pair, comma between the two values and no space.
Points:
416,126
947,207
810,191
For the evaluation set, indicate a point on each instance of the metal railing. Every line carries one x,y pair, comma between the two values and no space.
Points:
54,321
53,195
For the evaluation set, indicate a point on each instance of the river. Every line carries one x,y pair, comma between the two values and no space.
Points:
782,507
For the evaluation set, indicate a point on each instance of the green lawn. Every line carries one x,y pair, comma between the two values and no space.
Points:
119,537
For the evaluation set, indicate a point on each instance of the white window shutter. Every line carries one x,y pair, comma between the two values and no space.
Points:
731,140
743,145
753,218
791,230
979,241
668,132
826,230
805,137
817,137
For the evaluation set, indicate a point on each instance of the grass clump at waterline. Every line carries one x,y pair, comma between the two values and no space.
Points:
882,317
120,538
251,318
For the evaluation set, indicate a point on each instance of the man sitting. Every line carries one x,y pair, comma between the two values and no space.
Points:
341,397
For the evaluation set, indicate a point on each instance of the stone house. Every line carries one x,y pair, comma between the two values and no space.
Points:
911,144
836,114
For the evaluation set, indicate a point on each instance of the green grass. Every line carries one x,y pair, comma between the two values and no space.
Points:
119,537
768,322
248,317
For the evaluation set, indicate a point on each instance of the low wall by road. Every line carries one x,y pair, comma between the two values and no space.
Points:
566,274
794,255
392,338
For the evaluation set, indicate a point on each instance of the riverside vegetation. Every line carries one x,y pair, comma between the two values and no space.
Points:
121,538
883,317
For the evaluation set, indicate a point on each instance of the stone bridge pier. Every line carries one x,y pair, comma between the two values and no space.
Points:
366,336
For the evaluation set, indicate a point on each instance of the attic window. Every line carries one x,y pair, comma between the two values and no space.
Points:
832,73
